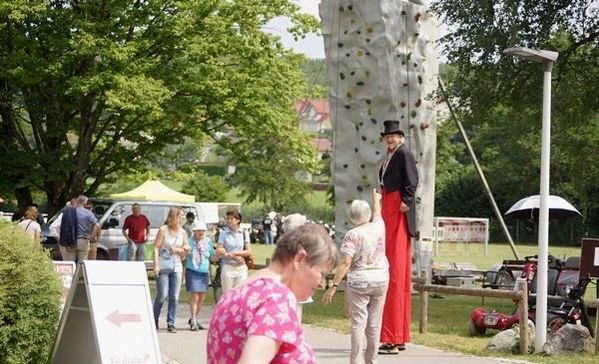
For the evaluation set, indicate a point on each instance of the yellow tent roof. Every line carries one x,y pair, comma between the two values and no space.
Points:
154,190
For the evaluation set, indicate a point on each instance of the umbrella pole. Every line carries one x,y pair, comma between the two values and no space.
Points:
481,175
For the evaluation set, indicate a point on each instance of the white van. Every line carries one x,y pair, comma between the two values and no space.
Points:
111,215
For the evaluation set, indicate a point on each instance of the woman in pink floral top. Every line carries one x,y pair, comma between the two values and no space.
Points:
257,321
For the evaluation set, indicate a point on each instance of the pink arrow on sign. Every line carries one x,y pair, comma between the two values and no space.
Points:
118,318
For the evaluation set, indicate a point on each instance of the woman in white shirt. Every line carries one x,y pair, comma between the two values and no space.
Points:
29,223
171,241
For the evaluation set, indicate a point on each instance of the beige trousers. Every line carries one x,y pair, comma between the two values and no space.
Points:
366,306
78,253
231,276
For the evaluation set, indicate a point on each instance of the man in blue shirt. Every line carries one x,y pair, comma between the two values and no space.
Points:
88,231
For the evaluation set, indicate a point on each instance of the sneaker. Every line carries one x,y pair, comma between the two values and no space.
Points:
171,328
400,347
388,349
156,322
200,327
193,326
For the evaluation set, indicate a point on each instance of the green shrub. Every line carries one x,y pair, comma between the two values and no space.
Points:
206,188
29,299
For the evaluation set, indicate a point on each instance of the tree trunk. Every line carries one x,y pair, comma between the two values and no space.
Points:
24,199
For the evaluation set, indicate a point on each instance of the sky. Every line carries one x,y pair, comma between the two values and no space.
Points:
312,45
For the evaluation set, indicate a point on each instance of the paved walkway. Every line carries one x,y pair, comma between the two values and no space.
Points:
188,347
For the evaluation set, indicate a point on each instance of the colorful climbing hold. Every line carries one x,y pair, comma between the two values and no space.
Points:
359,53
360,188
369,29
339,45
418,102
342,75
360,83
402,104
413,113
345,165
373,121
417,17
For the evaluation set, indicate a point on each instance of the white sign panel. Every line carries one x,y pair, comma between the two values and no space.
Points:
596,263
109,314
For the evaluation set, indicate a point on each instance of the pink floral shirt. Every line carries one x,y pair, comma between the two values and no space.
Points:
262,307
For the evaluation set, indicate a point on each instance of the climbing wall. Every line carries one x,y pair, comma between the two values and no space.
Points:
382,65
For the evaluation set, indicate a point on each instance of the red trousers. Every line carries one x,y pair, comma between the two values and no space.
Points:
395,327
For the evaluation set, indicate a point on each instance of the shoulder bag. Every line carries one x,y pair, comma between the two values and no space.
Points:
166,261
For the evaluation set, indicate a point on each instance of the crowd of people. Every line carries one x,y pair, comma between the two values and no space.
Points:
258,318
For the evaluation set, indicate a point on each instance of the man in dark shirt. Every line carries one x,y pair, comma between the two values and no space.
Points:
136,230
267,226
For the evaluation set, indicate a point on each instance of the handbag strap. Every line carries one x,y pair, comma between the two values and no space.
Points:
164,242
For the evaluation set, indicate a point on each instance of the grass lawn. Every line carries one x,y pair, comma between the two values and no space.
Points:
447,317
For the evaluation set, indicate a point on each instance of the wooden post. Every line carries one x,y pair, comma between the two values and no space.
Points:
596,330
423,303
523,311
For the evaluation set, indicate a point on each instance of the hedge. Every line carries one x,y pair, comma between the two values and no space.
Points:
29,298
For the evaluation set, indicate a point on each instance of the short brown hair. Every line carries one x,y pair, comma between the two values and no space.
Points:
312,238
236,214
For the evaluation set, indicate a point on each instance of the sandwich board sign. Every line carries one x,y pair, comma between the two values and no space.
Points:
108,317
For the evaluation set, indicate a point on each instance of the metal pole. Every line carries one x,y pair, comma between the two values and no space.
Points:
541,313
486,187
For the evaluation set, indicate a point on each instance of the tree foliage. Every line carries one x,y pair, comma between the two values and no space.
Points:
206,188
89,88
499,97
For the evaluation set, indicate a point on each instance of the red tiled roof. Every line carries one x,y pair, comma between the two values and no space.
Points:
323,145
320,106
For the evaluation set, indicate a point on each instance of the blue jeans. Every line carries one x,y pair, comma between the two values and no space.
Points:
136,252
167,283
268,237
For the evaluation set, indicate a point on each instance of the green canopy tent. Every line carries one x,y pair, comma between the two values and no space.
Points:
154,190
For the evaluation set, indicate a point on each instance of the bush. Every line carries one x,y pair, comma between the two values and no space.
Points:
29,299
206,188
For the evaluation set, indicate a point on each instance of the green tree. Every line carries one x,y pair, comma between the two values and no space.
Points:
90,88
206,188
499,96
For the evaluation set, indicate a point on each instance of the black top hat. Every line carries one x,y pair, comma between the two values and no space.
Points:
392,127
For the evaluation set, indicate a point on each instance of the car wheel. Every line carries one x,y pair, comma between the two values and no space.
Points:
102,255
475,330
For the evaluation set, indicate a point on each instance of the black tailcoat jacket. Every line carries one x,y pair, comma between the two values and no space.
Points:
401,174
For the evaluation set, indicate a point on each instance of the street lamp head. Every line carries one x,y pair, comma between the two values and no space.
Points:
533,55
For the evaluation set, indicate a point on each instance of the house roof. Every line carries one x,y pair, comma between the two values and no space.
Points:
321,107
323,145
